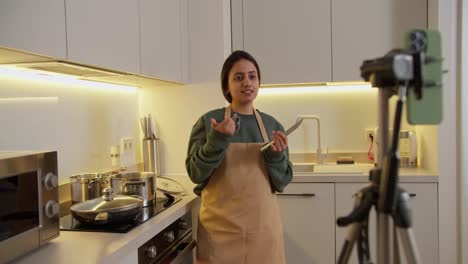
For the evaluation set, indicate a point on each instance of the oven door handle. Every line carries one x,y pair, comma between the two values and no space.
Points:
182,255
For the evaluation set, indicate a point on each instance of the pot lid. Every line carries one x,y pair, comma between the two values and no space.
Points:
108,202
85,177
169,186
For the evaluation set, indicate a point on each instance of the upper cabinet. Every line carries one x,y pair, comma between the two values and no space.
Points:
291,40
324,40
163,32
366,29
104,33
34,26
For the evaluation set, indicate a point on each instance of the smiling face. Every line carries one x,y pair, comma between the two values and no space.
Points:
243,83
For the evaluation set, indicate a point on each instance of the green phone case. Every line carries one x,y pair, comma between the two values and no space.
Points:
428,110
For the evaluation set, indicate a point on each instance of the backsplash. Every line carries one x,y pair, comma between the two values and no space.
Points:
344,116
344,113
81,123
175,111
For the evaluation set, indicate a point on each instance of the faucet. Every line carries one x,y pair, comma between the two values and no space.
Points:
320,156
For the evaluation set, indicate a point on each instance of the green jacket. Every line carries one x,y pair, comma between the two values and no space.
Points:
207,147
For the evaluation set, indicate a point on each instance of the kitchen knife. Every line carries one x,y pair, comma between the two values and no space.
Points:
289,131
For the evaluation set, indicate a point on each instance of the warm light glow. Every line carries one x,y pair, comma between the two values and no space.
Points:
330,88
19,100
43,76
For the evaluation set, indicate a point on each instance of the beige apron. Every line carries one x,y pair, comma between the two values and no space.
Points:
239,219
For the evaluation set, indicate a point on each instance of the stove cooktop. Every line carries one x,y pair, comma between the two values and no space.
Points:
69,223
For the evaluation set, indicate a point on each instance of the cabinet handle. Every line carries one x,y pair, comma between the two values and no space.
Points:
412,195
297,194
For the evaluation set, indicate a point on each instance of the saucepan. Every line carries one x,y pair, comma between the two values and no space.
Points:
136,183
109,208
87,186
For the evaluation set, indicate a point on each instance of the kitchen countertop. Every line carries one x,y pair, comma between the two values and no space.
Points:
94,247
105,248
360,173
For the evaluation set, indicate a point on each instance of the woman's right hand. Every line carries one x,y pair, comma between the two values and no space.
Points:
226,127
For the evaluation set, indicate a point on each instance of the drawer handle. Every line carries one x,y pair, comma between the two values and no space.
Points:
297,194
412,195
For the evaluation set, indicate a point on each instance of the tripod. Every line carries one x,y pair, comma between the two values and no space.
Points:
383,193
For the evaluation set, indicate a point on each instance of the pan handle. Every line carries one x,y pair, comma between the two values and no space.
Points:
134,183
125,183
102,218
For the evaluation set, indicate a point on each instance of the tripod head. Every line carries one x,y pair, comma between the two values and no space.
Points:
397,67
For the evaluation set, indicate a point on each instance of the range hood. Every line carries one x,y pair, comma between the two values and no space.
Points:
33,62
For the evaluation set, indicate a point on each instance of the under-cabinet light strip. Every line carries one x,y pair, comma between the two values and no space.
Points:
19,100
317,89
63,79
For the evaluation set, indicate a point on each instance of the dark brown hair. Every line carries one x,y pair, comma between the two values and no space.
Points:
227,66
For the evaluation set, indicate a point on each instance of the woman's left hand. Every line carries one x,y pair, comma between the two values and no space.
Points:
280,141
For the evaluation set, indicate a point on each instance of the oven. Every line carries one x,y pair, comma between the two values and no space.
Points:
29,208
173,245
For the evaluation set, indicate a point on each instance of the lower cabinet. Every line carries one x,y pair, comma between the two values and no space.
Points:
308,216
309,212
424,208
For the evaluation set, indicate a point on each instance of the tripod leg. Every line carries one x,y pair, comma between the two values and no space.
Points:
396,250
408,242
363,243
358,219
402,219
383,252
353,233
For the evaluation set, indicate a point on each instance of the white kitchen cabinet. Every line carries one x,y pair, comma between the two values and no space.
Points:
307,213
104,33
324,40
367,29
291,40
163,37
34,26
424,208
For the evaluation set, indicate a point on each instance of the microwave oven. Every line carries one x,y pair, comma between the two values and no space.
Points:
29,207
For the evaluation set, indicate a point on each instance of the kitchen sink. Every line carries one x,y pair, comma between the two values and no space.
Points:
303,167
329,168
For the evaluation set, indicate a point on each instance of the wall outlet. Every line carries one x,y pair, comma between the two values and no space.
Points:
126,145
370,133
127,151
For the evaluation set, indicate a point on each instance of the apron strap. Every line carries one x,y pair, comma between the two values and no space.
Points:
262,127
227,113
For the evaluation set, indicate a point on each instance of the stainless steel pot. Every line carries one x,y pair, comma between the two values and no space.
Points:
109,208
142,184
87,186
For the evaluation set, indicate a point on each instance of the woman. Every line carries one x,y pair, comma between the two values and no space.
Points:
239,219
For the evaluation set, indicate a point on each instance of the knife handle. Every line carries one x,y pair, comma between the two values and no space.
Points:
267,146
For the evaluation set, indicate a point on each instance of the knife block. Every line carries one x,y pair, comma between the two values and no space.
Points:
151,161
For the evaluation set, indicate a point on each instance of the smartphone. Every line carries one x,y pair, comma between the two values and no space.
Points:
428,109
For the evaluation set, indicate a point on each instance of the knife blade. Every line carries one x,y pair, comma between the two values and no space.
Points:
287,132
